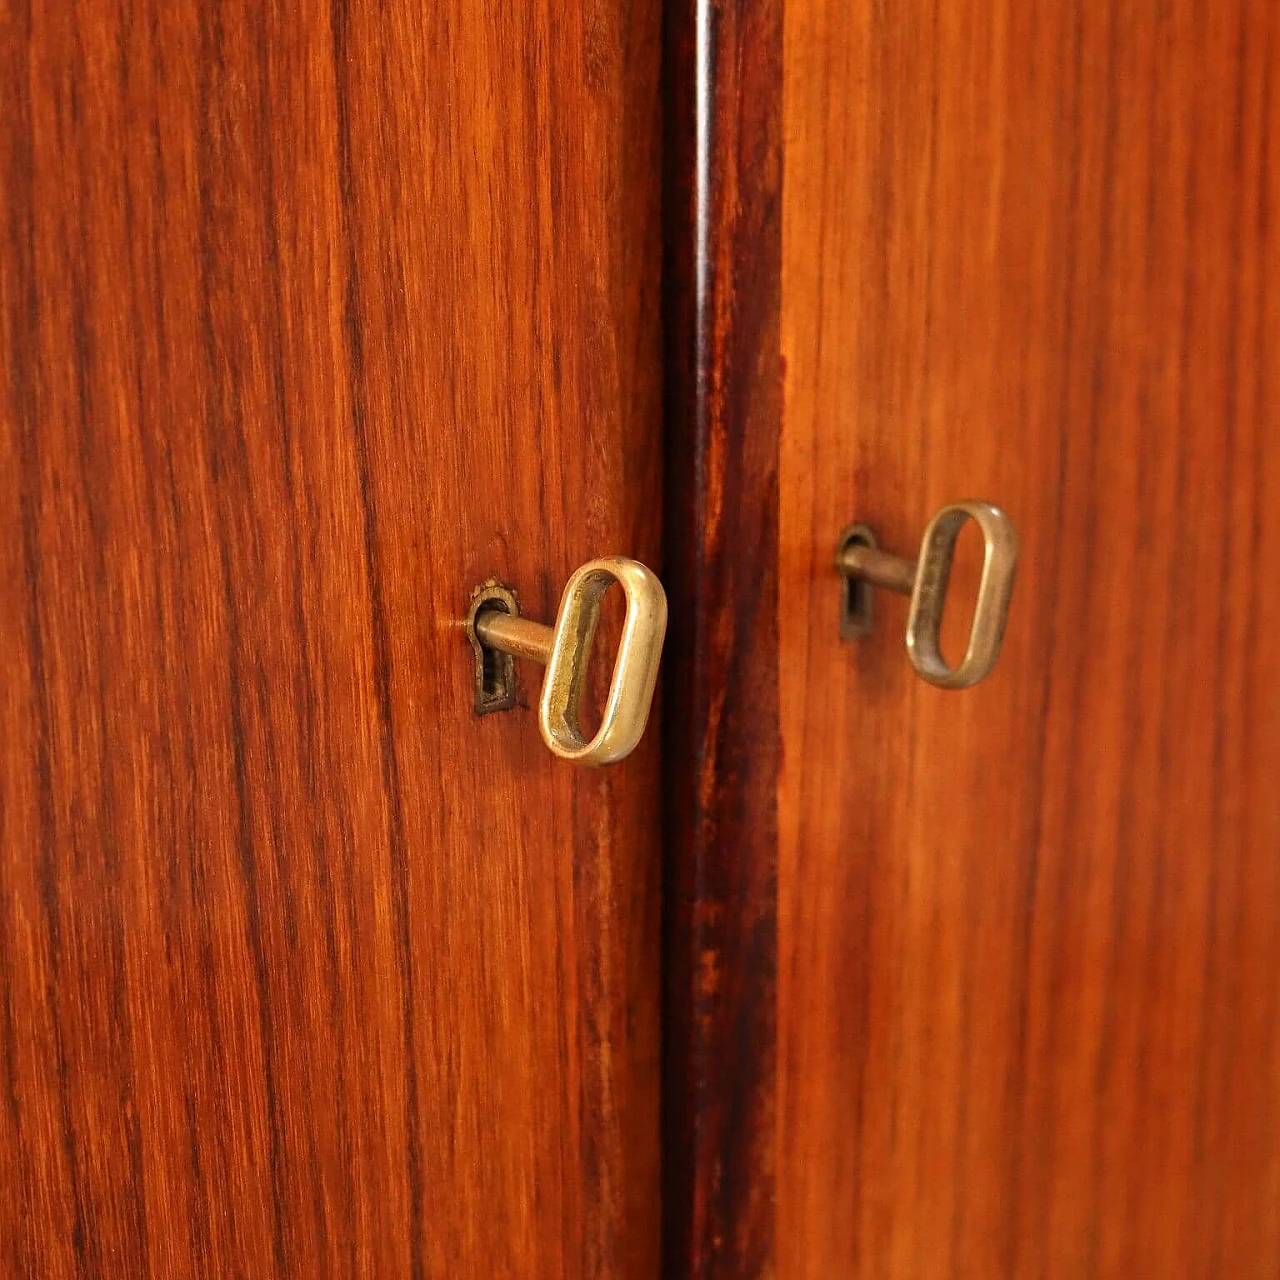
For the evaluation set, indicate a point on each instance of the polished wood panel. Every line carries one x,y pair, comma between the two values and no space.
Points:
314,317
1029,956
723,275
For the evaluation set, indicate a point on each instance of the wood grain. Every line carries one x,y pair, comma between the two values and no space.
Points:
1030,934
723,275
314,317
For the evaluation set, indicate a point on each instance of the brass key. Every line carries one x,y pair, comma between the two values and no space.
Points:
863,564
496,630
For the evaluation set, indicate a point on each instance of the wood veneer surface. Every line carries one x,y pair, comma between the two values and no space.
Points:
311,319
1029,934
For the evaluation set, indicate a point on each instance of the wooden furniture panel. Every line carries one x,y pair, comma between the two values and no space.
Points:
1029,934
312,318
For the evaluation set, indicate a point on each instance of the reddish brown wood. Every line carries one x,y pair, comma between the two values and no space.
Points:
313,317
723,100
1029,934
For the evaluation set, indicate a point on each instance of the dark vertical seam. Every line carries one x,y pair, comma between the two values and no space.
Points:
697,1257
749,324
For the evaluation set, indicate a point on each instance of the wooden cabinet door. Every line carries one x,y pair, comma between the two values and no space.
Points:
981,983
312,318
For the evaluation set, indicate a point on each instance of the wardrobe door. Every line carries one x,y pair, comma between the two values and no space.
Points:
314,318
982,981
1029,932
